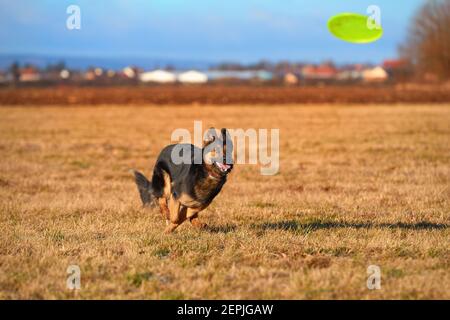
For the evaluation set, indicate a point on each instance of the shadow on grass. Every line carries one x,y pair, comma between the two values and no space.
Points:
293,225
221,229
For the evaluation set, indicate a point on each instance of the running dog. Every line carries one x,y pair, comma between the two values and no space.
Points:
183,189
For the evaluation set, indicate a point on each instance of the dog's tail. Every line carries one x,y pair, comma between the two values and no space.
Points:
145,188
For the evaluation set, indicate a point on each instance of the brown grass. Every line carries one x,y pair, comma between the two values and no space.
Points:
358,186
224,95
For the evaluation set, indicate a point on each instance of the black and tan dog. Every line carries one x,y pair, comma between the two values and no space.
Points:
184,189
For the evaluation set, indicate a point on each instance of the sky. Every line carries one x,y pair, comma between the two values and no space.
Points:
209,30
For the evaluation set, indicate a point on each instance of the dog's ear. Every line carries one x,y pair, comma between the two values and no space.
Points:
209,137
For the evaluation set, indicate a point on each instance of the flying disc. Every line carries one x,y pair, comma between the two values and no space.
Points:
355,28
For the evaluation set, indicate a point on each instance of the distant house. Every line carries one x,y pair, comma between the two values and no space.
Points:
64,74
322,72
130,72
398,69
349,75
290,79
192,77
377,74
263,75
98,72
392,64
110,73
89,75
230,74
158,76
242,75
29,74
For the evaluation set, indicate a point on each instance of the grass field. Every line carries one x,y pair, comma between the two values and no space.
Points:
358,186
224,95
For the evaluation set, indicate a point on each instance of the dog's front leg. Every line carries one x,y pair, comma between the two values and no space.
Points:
192,215
177,214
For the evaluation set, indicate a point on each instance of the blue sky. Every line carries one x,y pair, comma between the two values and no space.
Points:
211,30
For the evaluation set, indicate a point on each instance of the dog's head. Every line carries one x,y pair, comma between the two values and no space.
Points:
217,151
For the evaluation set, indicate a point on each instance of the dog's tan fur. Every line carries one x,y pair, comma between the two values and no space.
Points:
176,211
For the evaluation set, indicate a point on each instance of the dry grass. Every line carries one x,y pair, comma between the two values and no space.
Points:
358,186
223,95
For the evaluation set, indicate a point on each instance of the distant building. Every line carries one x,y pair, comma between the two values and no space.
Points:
290,79
110,73
131,72
89,75
392,64
64,74
349,75
230,74
98,72
398,69
192,77
242,75
263,75
158,76
377,74
322,72
29,74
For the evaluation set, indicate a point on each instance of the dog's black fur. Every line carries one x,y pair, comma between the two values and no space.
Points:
193,185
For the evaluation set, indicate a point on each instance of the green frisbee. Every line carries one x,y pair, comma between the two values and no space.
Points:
353,27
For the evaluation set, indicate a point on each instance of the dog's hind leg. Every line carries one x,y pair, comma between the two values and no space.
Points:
164,209
162,184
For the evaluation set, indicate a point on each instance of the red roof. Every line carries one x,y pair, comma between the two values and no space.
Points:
394,63
322,71
325,70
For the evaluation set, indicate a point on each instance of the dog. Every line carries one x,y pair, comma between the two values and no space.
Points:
183,190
